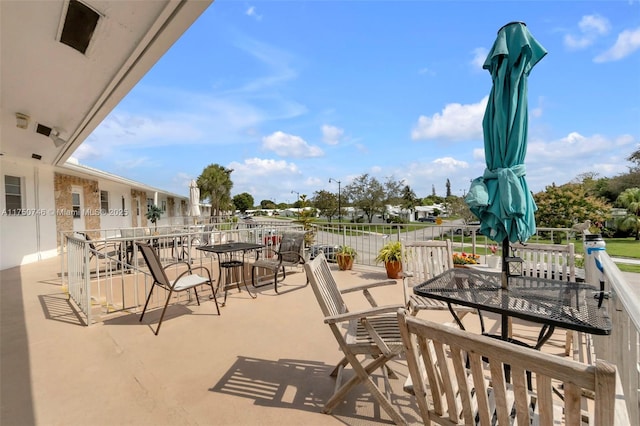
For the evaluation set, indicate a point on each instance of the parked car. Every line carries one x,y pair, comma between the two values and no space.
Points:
431,219
460,231
329,252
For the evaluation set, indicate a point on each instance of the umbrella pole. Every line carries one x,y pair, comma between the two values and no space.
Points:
505,284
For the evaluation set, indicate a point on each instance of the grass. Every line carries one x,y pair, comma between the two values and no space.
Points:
628,268
616,247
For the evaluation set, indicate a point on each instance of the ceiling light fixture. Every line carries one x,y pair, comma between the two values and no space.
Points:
55,137
22,120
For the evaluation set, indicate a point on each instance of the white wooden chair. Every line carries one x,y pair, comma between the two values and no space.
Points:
459,379
423,260
552,261
371,332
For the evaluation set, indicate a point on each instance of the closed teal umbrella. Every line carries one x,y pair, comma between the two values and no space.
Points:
501,198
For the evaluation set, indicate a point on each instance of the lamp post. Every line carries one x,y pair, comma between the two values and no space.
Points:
339,201
298,194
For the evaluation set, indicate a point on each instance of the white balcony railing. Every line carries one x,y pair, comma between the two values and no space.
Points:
101,286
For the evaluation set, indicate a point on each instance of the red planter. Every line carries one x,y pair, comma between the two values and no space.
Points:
394,269
345,261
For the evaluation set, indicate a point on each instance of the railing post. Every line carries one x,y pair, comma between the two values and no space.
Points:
86,282
594,245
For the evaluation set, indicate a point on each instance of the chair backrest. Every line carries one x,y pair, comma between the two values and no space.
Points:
155,266
458,375
292,247
133,232
424,260
551,260
85,236
324,286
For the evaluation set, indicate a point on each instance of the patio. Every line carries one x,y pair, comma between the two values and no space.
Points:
264,361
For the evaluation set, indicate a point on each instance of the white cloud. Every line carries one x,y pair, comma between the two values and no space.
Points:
265,178
479,56
567,157
456,122
450,163
262,167
594,24
628,42
537,111
286,145
591,27
331,135
251,11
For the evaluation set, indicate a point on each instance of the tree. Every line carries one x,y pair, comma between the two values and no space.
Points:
431,200
393,191
215,185
630,199
267,204
458,208
448,185
243,202
409,199
367,194
564,206
327,203
306,218
153,214
433,190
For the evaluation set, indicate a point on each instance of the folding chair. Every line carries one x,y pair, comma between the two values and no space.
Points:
422,261
186,280
372,332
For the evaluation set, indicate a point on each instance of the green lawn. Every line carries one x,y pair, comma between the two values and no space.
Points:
616,247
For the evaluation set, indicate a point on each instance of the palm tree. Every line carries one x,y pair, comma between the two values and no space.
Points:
630,199
215,184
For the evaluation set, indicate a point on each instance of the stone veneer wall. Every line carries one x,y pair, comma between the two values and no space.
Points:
62,186
142,197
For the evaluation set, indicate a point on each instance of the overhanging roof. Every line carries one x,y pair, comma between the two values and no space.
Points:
59,87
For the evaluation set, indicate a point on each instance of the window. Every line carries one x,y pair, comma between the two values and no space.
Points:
164,206
124,211
104,202
13,195
75,205
149,203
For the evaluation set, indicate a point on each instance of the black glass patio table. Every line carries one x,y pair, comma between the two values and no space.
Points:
231,256
552,303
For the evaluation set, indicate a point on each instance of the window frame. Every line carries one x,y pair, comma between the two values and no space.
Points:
14,211
104,202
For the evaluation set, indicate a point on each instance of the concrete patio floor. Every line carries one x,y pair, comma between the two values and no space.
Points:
264,361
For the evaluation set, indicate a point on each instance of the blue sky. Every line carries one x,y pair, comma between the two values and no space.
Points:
291,93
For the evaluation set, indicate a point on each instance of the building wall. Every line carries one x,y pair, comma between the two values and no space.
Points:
46,191
90,217
31,236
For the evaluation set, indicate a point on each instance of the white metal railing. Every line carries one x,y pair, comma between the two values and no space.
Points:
106,275
77,273
621,347
102,285
367,239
